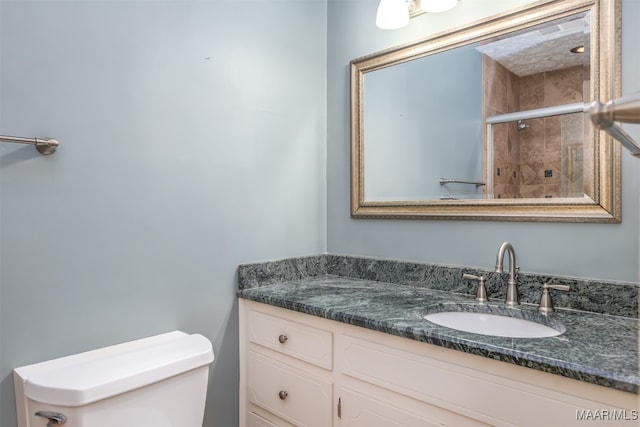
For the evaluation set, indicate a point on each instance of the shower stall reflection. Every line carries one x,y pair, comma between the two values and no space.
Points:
538,157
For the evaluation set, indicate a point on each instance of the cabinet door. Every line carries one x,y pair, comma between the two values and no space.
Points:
358,409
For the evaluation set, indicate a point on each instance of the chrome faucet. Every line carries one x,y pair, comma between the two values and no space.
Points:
512,288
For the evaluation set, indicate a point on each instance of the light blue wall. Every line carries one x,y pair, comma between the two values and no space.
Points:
606,251
192,140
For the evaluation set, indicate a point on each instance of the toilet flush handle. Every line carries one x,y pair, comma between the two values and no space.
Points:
55,418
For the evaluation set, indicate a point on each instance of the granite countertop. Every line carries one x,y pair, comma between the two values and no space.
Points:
596,348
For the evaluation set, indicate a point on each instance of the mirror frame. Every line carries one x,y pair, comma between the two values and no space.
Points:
604,206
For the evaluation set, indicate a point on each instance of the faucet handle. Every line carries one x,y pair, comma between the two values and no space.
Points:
548,285
481,293
546,303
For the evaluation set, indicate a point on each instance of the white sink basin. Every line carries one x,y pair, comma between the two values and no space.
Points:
492,324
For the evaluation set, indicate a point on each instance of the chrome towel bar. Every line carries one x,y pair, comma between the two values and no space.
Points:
444,181
43,145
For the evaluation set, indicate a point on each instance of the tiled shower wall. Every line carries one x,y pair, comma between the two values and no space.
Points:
501,95
541,157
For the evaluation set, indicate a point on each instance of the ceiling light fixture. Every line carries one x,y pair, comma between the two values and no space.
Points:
394,14
578,49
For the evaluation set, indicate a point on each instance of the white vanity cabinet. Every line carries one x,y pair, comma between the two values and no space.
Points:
335,374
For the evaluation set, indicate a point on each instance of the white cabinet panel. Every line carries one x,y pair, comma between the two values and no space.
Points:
255,420
362,410
464,390
288,392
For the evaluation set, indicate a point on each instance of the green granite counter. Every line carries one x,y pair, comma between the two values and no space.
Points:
597,347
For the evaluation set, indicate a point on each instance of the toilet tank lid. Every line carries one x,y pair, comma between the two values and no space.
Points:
89,381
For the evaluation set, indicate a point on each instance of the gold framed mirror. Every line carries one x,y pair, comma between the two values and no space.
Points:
487,122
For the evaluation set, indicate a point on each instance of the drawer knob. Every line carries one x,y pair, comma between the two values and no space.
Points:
283,395
282,339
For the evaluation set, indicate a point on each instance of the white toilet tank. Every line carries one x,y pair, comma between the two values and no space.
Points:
160,381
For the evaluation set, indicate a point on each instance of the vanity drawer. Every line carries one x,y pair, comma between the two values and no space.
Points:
288,392
302,342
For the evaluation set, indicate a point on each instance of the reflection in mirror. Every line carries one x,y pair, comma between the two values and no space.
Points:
540,157
533,69
487,122
536,74
412,141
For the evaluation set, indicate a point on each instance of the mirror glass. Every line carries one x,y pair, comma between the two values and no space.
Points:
429,140
490,116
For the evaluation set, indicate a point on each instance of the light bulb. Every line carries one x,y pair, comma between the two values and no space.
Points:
392,14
